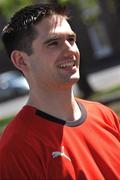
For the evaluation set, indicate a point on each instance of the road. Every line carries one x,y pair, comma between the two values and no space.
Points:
99,81
12,107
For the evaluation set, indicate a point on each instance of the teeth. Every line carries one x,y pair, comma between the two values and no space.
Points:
67,64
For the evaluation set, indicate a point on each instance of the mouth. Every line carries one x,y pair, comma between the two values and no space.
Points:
68,64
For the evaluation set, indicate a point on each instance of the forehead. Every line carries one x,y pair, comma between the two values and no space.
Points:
55,24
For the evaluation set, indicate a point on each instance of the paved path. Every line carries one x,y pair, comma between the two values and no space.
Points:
105,79
12,107
99,81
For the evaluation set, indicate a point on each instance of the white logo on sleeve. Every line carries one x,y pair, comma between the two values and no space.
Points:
60,153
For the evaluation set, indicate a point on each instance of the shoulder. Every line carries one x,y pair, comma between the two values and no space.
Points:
19,125
14,136
98,110
94,106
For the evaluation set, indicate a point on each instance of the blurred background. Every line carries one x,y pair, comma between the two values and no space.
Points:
97,24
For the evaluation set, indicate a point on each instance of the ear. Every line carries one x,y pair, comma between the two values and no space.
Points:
19,60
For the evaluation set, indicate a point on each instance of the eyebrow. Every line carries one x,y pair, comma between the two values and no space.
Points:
57,37
50,39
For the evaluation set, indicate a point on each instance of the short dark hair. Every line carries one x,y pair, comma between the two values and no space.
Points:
19,33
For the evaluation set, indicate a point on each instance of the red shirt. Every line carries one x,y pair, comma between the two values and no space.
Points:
36,145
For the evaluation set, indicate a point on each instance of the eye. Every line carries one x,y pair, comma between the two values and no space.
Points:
72,40
53,43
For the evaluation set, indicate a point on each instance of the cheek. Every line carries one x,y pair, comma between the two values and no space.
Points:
78,54
77,50
35,68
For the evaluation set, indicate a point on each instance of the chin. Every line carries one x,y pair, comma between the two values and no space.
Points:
73,81
75,78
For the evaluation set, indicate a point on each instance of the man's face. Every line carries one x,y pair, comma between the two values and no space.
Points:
54,62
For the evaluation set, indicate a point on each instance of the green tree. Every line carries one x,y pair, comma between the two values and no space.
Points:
8,7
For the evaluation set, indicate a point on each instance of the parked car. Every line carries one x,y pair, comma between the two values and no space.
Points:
12,84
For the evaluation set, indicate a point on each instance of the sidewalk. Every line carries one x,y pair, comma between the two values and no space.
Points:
12,107
100,81
105,79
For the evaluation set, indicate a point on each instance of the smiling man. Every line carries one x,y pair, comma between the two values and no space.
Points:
55,135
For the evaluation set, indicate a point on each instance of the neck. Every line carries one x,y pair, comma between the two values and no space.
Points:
61,104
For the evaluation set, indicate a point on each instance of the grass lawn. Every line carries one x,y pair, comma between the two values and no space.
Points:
111,93
4,122
95,97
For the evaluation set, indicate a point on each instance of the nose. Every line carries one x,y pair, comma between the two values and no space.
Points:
68,44
70,48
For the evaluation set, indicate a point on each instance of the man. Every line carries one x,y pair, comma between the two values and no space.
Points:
55,135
